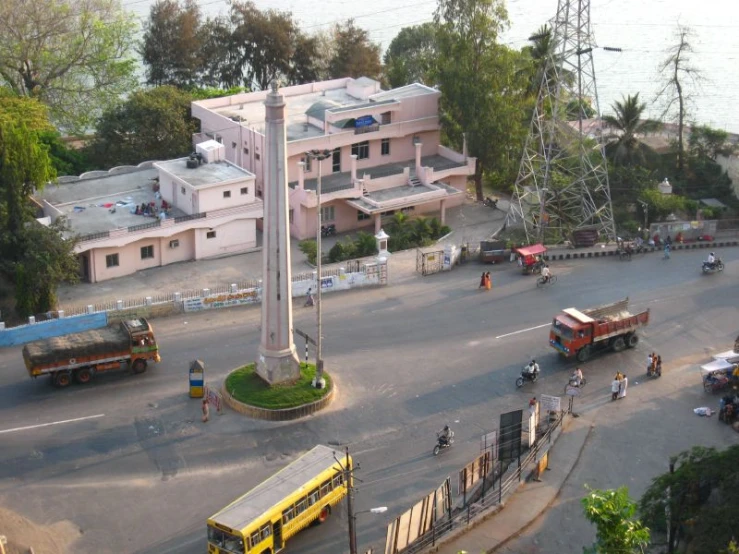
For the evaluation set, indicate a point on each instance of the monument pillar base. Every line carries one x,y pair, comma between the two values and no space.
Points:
278,366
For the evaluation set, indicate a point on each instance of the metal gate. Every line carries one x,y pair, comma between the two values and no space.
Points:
428,263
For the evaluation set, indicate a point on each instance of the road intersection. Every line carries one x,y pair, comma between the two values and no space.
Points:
127,459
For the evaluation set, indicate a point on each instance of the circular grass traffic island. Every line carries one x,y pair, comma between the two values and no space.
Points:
246,392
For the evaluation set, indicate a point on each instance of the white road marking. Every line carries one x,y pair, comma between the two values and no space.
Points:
26,428
522,331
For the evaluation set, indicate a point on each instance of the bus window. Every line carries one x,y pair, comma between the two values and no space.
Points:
288,515
255,540
226,541
300,506
326,488
266,531
313,497
338,480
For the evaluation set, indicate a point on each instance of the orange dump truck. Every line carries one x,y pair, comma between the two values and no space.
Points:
129,344
582,332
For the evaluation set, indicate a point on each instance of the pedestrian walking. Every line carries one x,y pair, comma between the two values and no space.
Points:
483,281
488,281
206,410
532,405
650,363
615,388
658,366
623,387
309,298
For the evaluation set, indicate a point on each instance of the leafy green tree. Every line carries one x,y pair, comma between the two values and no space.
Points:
220,65
74,56
366,244
701,493
624,147
309,247
706,142
483,91
24,166
172,43
48,259
354,54
153,124
411,56
617,529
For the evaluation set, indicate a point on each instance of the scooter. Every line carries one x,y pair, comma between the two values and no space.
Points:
441,443
490,202
526,375
718,265
328,230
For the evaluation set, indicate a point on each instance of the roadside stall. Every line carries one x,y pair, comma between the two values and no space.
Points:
531,258
716,375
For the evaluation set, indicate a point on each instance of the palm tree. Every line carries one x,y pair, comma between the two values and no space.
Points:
624,146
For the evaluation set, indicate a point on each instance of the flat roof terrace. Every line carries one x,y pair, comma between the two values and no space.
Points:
105,203
205,174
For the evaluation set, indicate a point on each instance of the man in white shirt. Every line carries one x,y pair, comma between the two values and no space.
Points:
711,259
545,273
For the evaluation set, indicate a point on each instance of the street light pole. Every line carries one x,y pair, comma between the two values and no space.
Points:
319,156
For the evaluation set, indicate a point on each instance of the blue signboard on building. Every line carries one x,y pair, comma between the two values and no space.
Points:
364,121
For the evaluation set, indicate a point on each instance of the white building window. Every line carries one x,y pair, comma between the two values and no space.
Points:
182,190
210,235
361,216
227,194
244,190
308,164
385,147
361,150
147,252
327,213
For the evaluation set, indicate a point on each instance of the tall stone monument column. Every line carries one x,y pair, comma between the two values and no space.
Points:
278,361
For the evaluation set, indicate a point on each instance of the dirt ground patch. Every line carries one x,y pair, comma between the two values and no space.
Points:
23,534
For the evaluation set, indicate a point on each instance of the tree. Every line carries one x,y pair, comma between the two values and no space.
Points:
152,124
219,62
411,56
24,166
48,259
355,55
709,143
617,530
172,44
700,491
676,99
624,147
74,55
483,92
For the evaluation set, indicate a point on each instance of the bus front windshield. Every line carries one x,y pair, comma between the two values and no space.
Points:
226,541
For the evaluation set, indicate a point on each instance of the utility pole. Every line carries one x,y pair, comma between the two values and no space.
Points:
350,504
319,156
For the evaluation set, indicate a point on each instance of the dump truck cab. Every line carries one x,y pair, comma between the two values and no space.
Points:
571,331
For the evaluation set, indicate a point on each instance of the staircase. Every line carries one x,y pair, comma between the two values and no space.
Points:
414,181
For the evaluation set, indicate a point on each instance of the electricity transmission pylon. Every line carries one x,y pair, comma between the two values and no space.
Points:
562,183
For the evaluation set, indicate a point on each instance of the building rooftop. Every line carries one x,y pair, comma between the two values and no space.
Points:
315,104
104,203
205,174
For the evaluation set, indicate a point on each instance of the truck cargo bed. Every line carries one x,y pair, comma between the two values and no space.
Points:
77,345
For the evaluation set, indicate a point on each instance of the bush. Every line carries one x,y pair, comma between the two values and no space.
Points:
310,249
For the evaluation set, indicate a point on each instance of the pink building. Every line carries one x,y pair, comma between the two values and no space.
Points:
386,155
134,218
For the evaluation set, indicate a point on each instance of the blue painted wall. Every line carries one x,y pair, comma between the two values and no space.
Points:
52,328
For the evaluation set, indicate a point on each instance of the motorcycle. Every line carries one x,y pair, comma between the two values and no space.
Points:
490,202
718,265
653,372
573,382
328,230
441,443
526,375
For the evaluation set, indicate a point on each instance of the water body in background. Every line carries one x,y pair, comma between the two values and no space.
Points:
644,30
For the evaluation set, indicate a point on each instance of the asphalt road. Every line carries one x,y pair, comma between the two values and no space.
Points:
141,473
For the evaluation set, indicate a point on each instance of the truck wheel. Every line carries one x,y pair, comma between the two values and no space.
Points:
62,379
83,375
619,344
632,340
139,366
583,354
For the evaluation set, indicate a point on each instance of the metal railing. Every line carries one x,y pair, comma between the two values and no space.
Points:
501,484
142,226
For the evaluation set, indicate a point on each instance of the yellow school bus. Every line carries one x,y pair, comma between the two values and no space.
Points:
264,518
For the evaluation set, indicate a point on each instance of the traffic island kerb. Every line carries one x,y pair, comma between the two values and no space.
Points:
246,393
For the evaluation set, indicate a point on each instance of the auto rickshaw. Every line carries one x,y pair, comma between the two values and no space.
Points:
531,258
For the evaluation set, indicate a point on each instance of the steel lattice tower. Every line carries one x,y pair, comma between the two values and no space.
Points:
562,183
